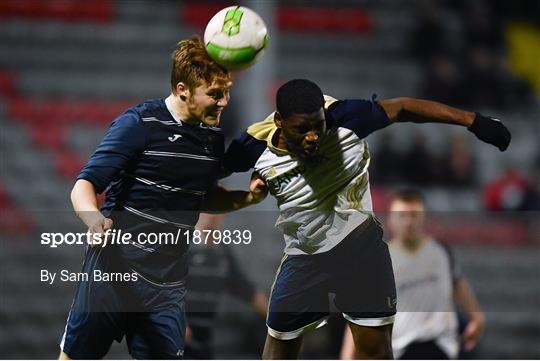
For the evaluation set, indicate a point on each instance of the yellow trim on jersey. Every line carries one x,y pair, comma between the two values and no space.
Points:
263,130
328,100
353,194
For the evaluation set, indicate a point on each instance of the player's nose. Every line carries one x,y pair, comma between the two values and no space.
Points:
223,102
312,137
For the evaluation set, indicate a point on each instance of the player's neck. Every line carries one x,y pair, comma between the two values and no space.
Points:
181,110
278,140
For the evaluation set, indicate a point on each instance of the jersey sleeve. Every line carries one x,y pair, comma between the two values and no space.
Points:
123,141
243,152
363,117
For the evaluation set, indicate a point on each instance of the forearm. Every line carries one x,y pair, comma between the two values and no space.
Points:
85,203
487,129
466,300
259,302
224,200
425,111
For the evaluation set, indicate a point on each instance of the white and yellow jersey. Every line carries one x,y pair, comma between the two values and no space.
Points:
319,204
424,282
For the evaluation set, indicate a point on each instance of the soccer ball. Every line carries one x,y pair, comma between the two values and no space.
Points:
236,37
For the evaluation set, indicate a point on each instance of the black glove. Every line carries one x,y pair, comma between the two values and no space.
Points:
491,130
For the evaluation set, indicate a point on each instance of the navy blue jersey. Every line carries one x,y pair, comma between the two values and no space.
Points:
157,172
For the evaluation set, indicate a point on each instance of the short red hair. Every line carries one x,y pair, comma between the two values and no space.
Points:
193,66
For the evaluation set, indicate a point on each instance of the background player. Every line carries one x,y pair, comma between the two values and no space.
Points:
159,162
312,155
428,282
213,270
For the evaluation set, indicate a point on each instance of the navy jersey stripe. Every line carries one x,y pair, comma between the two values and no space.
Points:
157,219
180,155
167,187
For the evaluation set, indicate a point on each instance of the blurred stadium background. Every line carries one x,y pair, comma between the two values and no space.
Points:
68,68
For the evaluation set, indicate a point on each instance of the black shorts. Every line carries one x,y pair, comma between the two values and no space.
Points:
356,274
151,317
424,350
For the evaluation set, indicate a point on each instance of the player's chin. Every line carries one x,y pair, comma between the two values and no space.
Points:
211,121
310,153
310,157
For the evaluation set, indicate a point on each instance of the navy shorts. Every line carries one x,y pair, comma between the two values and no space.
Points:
150,316
356,275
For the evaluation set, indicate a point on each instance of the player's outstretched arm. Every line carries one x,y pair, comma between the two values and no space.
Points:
465,298
223,200
85,204
487,129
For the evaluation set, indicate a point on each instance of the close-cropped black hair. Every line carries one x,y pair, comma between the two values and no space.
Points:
299,96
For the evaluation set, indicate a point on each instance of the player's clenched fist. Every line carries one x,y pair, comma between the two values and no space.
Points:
491,130
257,188
99,229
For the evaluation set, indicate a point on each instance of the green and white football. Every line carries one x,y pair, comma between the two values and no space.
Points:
236,37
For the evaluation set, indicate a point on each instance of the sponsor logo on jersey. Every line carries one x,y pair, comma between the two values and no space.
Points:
174,137
279,183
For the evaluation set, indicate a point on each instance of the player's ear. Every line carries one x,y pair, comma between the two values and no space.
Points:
182,90
277,119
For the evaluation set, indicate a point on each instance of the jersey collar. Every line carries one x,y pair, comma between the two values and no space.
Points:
168,104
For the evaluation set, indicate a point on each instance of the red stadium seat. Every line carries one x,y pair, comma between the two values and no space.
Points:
13,220
61,111
296,18
8,87
69,10
323,19
198,14
47,121
48,136
471,230
68,164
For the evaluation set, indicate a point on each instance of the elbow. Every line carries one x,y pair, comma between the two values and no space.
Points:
402,105
82,192
395,108
403,101
74,195
409,110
